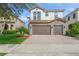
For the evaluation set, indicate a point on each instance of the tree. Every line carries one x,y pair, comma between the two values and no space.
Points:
73,29
18,8
14,9
5,11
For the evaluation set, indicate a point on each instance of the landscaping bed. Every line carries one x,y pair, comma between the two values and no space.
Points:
24,37
10,39
2,54
14,36
73,30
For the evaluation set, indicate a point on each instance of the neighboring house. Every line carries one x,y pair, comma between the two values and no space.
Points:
72,17
11,24
19,23
46,22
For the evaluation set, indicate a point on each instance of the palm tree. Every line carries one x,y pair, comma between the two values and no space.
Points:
14,9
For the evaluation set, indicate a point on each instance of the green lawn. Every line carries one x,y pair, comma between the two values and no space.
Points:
10,39
2,54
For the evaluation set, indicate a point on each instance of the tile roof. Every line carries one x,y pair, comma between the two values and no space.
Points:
46,21
46,10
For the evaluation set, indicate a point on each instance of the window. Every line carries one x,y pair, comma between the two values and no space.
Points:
39,15
47,14
56,15
11,26
34,15
6,27
74,16
68,18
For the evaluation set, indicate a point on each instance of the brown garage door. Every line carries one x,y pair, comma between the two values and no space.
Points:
41,29
58,30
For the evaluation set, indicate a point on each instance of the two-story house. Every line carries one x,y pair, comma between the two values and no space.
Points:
46,22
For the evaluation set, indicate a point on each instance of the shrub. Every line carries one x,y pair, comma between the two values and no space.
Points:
73,29
67,32
27,31
9,32
18,32
10,39
23,30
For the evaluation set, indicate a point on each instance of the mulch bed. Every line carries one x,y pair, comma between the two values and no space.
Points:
24,36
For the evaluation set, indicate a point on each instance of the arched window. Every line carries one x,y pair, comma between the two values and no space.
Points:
39,15
56,15
34,16
11,26
6,27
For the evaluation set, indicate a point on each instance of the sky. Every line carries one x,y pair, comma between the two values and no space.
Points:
68,7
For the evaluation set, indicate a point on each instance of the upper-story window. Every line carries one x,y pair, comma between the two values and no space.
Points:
74,16
56,15
34,15
46,14
68,18
38,15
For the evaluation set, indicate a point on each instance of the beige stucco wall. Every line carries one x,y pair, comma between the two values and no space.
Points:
9,25
58,23
13,21
13,28
19,23
1,26
16,24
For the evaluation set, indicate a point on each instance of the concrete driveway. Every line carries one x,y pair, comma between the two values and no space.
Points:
47,45
51,39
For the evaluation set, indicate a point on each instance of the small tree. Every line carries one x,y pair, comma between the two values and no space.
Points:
23,30
73,29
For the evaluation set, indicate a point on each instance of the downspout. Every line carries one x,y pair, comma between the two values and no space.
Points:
28,24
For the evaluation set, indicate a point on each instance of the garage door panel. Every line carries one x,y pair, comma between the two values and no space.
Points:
58,30
41,29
